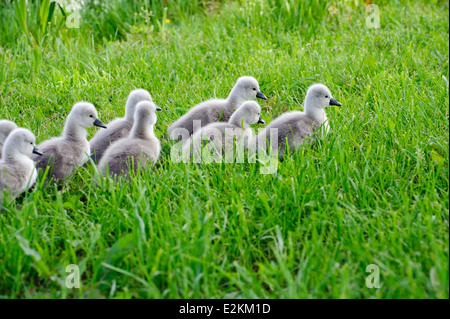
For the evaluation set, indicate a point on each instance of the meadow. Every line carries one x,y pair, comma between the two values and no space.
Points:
373,191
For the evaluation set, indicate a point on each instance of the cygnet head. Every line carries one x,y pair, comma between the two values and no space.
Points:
251,112
6,127
134,98
144,119
21,141
319,96
146,110
247,88
85,115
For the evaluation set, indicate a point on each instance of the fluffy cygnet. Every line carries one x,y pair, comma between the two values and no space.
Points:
238,128
17,170
136,150
246,88
6,127
296,126
65,153
118,128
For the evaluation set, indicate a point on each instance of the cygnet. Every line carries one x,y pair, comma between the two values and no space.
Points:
295,126
246,88
118,128
138,149
237,129
17,170
65,153
6,127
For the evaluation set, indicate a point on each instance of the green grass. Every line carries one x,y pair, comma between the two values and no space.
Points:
374,191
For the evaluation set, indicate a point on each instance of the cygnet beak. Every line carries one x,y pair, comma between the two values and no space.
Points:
261,121
36,151
99,123
260,95
335,102
158,108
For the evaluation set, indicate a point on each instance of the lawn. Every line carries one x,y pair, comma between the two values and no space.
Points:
373,191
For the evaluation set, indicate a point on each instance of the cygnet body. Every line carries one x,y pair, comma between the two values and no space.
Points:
17,170
210,111
118,128
238,128
65,153
296,126
6,127
138,149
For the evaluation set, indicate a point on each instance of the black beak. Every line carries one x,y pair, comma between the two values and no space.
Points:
260,95
158,108
261,121
36,151
335,102
99,123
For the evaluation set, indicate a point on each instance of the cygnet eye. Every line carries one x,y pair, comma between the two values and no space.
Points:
91,115
326,96
31,143
254,89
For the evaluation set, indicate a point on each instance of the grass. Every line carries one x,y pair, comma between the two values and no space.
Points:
374,191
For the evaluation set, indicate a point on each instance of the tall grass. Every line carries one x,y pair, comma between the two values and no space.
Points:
34,19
